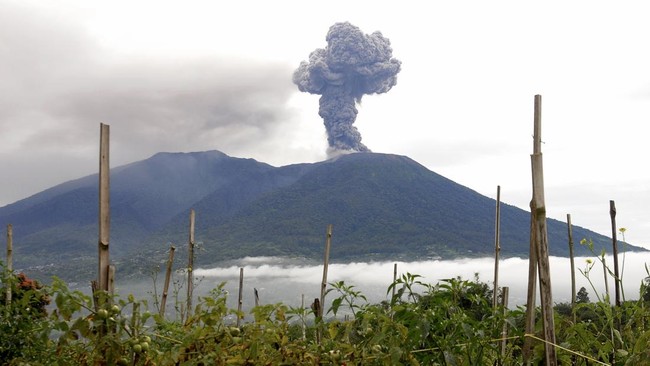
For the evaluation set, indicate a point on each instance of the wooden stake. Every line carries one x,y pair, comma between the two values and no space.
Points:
541,238
168,274
617,278
573,268
303,325
256,294
111,282
328,243
10,258
104,207
394,280
239,299
497,247
190,265
527,350
504,332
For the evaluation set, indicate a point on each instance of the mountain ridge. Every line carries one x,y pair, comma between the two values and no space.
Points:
382,206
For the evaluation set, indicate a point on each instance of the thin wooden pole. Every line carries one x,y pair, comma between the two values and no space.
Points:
541,239
303,325
323,286
394,279
104,207
573,268
241,294
10,258
497,247
190,265
256,294
504,331
168,274
617,277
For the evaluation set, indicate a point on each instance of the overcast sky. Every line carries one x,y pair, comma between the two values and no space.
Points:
205,75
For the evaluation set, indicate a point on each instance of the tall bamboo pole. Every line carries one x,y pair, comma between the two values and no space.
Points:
573,268
541,238
190,265
10,258
104,207
241,294
497,247
323,286
617,278
168,274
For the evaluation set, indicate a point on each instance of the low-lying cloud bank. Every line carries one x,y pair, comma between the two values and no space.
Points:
285,280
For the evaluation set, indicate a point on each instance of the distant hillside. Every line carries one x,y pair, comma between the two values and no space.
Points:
381,206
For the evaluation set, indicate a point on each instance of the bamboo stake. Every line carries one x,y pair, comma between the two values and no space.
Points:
111,282
532,291
617,278
95,294
497,247
239,299
504,332
323,286
168,274
104,206
541,238
190,265
303,325
394,279
10,258
573,269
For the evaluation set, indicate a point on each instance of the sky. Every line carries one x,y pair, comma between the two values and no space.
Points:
206,75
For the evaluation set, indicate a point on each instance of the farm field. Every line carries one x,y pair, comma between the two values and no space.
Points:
422,322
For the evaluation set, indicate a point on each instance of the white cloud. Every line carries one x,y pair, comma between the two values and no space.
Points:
287,281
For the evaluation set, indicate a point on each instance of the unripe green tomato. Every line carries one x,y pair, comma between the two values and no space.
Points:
146,339
137,348
115,309
102,314
336,355
236,340
144,346
122,362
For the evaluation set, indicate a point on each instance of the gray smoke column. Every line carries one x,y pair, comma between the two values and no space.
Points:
352,64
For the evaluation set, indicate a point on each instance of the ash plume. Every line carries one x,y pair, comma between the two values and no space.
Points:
352,64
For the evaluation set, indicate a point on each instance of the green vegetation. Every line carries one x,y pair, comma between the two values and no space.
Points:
449,323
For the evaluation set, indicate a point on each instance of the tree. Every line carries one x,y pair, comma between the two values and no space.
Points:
582,297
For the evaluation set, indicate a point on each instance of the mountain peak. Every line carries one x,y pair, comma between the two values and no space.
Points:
382,206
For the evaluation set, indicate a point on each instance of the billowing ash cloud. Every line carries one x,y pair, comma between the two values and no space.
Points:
352,64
